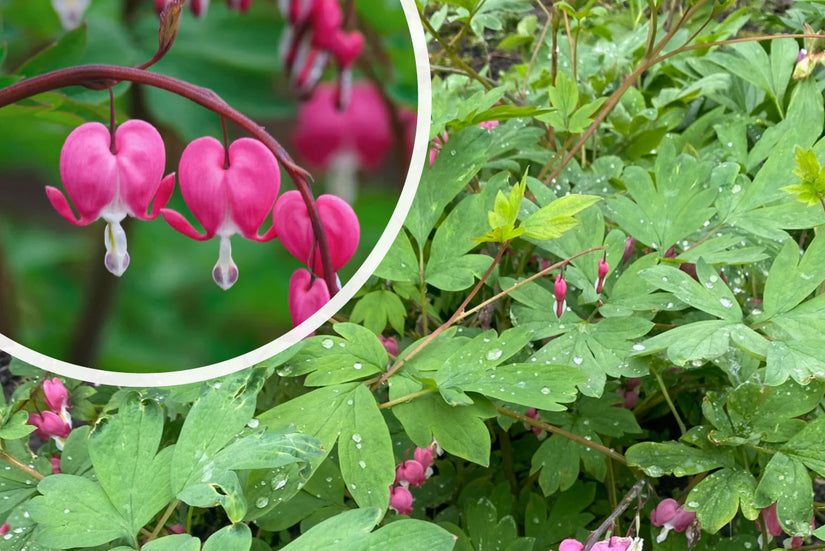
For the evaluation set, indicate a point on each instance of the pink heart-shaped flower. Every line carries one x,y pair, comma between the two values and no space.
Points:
226,199
346,47
291,220
112,182
306,296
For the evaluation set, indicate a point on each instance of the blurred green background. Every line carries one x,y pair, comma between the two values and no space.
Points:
165,313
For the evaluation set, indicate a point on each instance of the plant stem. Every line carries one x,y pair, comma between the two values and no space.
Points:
407,398
635,490
455,317
452,55
162,522
670,403
525,282
18,464
98,77
613,454
614,98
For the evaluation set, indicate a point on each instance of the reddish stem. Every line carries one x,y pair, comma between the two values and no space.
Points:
103,76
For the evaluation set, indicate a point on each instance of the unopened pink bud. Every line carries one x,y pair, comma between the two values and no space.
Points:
604,267
390,344
4,529
307,295
177,529
629,246
561,292
488,125
401,500
55,461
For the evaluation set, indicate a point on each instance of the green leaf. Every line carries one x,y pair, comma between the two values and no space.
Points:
710,294
594,349
356,354
679,187
558,460
341,532
65,52
350,531
808,445
400,262
460,159
222,489
703,340
222,410
266,451
177,542
124,451
378,308
799,360
16,427
564,96
320,414
237,537
75,512
551,221
449,267
660,458
460,430
792,279
717,498
786,481
365,451
15,487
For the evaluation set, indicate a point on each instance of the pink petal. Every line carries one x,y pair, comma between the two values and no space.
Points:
253,181
61,205
178,222
291,218
141,160
364,127
306,296
88,170
201,175
57,397
167,186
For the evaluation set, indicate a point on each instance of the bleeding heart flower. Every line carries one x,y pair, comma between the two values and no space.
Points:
341,142
346,47
112,180
306,296
50,425
671,516
57,397
228,194
410,472
401,500
291,218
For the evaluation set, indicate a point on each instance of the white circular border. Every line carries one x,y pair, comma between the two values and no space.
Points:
171,378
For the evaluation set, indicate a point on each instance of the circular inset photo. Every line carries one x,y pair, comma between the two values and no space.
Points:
189,187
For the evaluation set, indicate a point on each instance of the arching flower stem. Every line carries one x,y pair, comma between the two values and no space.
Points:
99,77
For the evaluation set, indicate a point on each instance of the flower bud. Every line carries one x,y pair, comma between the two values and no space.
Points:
307,295
604,267
561,292
390,344
629,246
55,461
571,545
424,456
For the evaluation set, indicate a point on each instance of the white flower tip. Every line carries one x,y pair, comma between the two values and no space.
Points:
116,262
